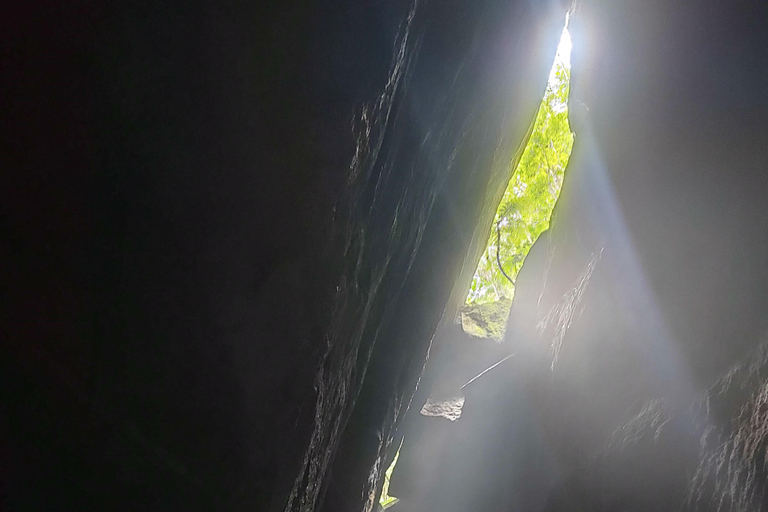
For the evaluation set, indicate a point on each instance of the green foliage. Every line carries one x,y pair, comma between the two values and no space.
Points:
386,500
526,207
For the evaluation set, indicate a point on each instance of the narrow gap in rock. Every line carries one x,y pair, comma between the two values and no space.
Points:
521,217
526,207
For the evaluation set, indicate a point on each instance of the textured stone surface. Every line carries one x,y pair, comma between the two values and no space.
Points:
449,409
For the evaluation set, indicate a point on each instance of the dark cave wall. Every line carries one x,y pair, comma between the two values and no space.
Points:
174,172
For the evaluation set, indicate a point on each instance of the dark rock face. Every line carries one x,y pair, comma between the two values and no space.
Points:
169,275
233,230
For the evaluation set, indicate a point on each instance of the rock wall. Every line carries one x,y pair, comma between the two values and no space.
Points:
169,275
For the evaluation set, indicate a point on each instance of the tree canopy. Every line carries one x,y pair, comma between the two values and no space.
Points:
526,207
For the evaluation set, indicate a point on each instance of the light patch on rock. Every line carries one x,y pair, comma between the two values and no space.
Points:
449,409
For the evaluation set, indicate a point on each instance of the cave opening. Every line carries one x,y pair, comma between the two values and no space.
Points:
522,215
525,209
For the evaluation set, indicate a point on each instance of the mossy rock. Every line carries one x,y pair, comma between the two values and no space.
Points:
488,320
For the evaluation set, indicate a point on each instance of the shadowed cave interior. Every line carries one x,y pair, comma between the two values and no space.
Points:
238,240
